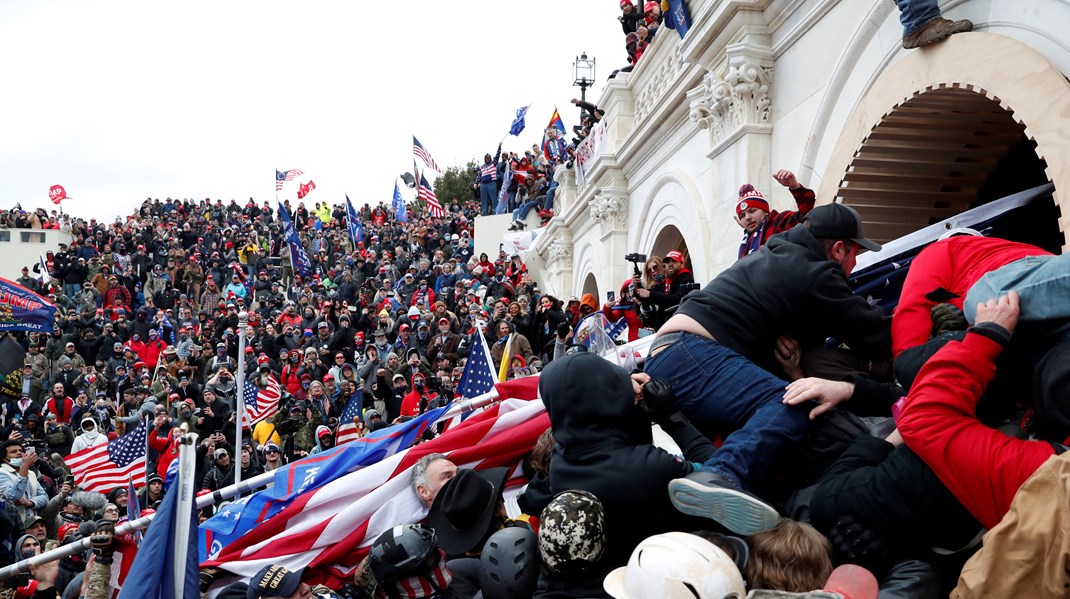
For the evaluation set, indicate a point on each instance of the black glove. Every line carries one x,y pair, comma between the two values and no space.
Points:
562,330
102,541
946,318
659,401
856,543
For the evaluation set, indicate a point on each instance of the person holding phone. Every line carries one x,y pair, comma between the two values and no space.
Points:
18,480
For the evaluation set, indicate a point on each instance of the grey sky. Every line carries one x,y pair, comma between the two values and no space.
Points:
118,101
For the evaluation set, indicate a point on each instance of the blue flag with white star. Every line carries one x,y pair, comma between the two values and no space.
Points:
400,212
298,257
518,123
479,376
353,224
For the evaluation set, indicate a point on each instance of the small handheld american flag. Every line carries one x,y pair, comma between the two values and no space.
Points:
260,404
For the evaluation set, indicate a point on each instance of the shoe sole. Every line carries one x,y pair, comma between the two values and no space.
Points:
921,42
736,511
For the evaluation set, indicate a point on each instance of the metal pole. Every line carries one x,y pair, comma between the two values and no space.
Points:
239,393
187,456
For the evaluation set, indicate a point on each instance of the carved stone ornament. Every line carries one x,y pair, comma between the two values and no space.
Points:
724,103
609,211
559,253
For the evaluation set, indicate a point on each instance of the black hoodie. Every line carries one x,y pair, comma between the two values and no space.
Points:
603,445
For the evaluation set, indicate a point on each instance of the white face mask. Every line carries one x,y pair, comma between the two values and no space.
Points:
15,462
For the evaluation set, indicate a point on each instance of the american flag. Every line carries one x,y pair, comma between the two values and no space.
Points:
427,195
330,529
104,467
478,377
283,176
260,404
347,428
421,152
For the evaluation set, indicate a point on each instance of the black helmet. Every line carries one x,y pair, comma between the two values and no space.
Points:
404,552
510,562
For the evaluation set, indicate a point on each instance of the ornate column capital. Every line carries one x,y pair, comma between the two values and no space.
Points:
735,97
609,210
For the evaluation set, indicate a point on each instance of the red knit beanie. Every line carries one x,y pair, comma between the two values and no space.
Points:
750,198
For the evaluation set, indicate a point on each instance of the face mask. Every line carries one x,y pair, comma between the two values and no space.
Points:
15,462
422,335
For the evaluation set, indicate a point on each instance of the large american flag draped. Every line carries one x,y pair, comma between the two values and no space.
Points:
421,152
428,195
283,176
103,467
347,427
479,376
260,404
329,530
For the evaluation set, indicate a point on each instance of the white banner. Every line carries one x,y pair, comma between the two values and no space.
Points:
588,149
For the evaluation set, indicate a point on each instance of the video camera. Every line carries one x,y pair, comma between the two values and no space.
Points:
636,259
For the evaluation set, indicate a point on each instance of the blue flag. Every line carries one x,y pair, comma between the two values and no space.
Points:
678,17
298,257
24,310
400,212
518,123
305,475
353,224
151,575
133,506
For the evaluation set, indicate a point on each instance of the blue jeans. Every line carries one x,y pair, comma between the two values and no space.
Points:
915,13
550,197
522,212
71,289
488,196
1043,286
715,385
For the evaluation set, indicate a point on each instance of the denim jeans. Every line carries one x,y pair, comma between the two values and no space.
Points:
1043,286
522,212
915,13
550,196
72,289
715,385
488,195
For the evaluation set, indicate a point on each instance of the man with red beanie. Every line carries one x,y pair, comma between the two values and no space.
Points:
760,223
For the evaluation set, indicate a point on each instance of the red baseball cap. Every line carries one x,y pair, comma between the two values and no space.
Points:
675,256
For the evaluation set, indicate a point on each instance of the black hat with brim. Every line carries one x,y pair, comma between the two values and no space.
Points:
464,508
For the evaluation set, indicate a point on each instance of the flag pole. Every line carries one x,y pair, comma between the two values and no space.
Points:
239,396
148,472
187,456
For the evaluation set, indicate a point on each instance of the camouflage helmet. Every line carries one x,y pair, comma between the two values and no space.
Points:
572,533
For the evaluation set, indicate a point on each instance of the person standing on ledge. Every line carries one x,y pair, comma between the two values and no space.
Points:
923,24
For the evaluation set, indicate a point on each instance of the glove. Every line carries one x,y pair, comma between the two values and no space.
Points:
946,318
102,541
659,401
854,542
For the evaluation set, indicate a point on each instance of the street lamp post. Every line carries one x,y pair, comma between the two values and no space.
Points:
239,393
583,74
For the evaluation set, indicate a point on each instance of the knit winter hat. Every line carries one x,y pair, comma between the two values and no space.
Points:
750,198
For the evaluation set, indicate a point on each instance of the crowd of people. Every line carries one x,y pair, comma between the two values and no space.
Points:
808,443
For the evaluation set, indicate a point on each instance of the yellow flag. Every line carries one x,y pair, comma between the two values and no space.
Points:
503,370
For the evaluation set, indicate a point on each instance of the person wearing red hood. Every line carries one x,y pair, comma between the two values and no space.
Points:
416,401
624,308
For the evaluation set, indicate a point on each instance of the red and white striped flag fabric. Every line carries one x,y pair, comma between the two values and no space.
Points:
347,427
331,529
421,152
260,404
434,208
103,467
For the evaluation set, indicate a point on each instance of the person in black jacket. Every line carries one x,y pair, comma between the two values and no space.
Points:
718,352
658,302
603,444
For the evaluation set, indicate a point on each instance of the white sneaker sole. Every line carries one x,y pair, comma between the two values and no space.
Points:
736,511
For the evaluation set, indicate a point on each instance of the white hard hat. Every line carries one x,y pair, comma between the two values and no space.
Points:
677,565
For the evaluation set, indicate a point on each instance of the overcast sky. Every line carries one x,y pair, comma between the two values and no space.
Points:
119,101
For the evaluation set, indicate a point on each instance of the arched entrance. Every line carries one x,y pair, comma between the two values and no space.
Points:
590,285
950,128
670,238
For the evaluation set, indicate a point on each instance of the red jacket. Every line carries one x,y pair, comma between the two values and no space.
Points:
168,449
152,350
68,408
954,265
982,467
614,313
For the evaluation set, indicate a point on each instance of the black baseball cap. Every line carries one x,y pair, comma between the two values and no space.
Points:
837,221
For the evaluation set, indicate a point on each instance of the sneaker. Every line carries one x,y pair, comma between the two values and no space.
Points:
935,30
512,226
546,213
710,495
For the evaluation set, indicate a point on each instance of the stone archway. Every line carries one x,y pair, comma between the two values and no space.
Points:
590,285
932,131
668,239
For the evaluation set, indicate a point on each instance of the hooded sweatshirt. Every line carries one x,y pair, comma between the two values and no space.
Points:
88,439
603,445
